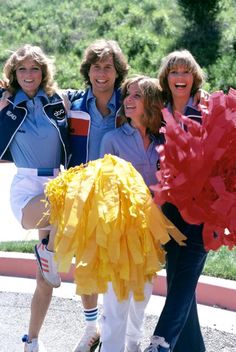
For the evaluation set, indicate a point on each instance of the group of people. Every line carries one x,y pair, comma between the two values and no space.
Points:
43,128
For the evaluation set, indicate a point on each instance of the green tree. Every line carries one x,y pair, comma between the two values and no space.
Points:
202,33
200,11
146,30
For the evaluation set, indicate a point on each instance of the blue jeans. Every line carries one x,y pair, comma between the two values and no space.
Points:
178,322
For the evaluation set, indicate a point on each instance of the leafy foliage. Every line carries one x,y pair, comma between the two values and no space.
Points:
221,263
146,30
202,28
199,11
18,246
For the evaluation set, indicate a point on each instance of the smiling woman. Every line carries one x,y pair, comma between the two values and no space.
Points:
180,77
134,141
180,80
29,76
33,117
133,105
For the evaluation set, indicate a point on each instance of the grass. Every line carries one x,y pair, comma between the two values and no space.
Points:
221,263
18,246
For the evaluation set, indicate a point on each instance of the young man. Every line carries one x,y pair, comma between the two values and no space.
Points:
104,67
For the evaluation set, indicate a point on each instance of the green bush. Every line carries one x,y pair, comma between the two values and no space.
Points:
221,73
146,31
221,263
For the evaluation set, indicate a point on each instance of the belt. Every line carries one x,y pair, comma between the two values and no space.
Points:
38,172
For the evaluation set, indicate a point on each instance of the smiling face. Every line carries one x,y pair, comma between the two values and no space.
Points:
134,104
102,75
29,76
180,81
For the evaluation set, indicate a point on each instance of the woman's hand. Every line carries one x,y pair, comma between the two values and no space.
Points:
201,97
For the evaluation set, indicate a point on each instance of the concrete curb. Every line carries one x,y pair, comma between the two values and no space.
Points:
210,291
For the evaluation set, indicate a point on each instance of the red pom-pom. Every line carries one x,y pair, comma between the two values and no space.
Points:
198,169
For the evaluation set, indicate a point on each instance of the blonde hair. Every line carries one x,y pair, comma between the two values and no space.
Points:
151,93
29,52
172,61
100,50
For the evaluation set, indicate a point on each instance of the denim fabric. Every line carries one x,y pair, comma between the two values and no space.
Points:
126,143
178,322
191,335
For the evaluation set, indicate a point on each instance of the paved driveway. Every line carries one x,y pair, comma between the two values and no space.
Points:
64,323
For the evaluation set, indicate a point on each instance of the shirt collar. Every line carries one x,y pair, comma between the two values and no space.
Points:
189,104
129,130
90,95
21,96
111,104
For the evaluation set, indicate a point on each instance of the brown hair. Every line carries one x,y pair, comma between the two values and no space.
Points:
174,60
151,93
29,52
100,50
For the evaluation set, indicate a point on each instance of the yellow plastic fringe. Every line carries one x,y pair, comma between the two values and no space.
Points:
106,218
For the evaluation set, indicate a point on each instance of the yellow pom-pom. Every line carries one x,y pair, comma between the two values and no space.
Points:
105,217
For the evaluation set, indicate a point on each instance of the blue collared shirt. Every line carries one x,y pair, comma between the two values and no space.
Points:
36,143
100,125
126,142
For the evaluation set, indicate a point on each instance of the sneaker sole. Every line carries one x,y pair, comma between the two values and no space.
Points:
41,269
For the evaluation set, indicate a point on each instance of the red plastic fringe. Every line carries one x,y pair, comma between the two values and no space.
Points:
198,169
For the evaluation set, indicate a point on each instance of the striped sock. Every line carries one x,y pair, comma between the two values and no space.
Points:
91,316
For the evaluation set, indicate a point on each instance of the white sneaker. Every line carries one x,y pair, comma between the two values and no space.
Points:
47,265
33,346
89,341
158,344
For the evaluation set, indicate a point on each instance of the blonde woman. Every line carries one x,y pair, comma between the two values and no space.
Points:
33,134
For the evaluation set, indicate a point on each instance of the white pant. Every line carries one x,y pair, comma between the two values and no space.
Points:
121,322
